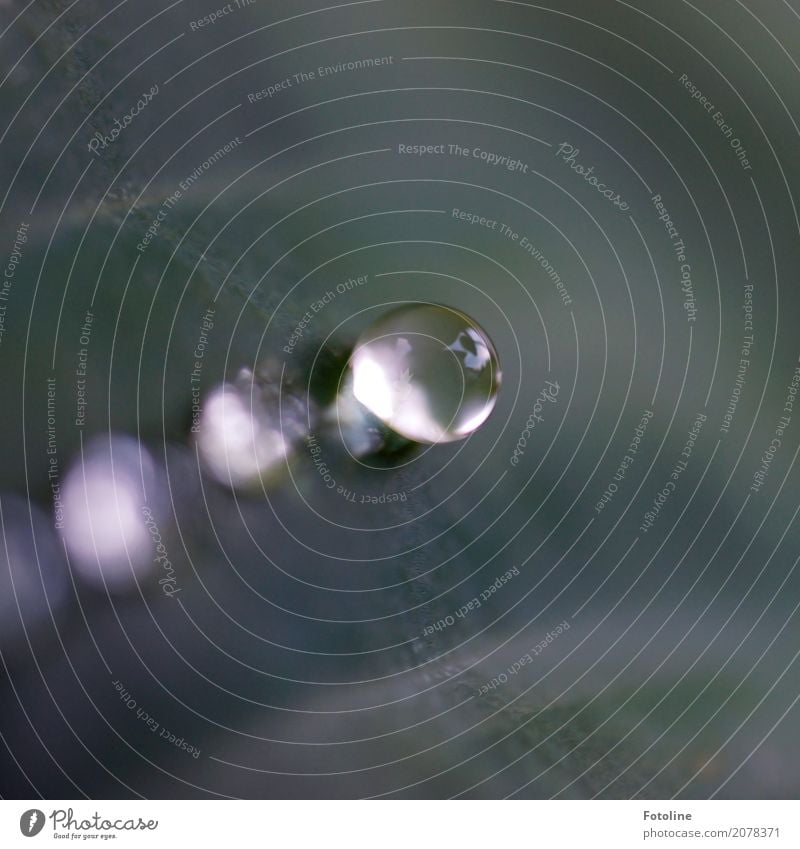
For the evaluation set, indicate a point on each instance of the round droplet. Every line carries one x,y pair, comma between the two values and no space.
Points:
428,372
109,493
246,431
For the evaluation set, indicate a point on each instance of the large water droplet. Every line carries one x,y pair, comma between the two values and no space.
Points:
429,372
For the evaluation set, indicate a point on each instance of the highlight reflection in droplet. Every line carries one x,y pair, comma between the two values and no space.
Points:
429,372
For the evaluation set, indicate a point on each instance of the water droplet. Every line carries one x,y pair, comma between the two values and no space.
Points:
103,496
428,372
361,432
248,430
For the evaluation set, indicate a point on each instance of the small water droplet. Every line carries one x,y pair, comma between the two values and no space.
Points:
428,372
104,526
248,430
